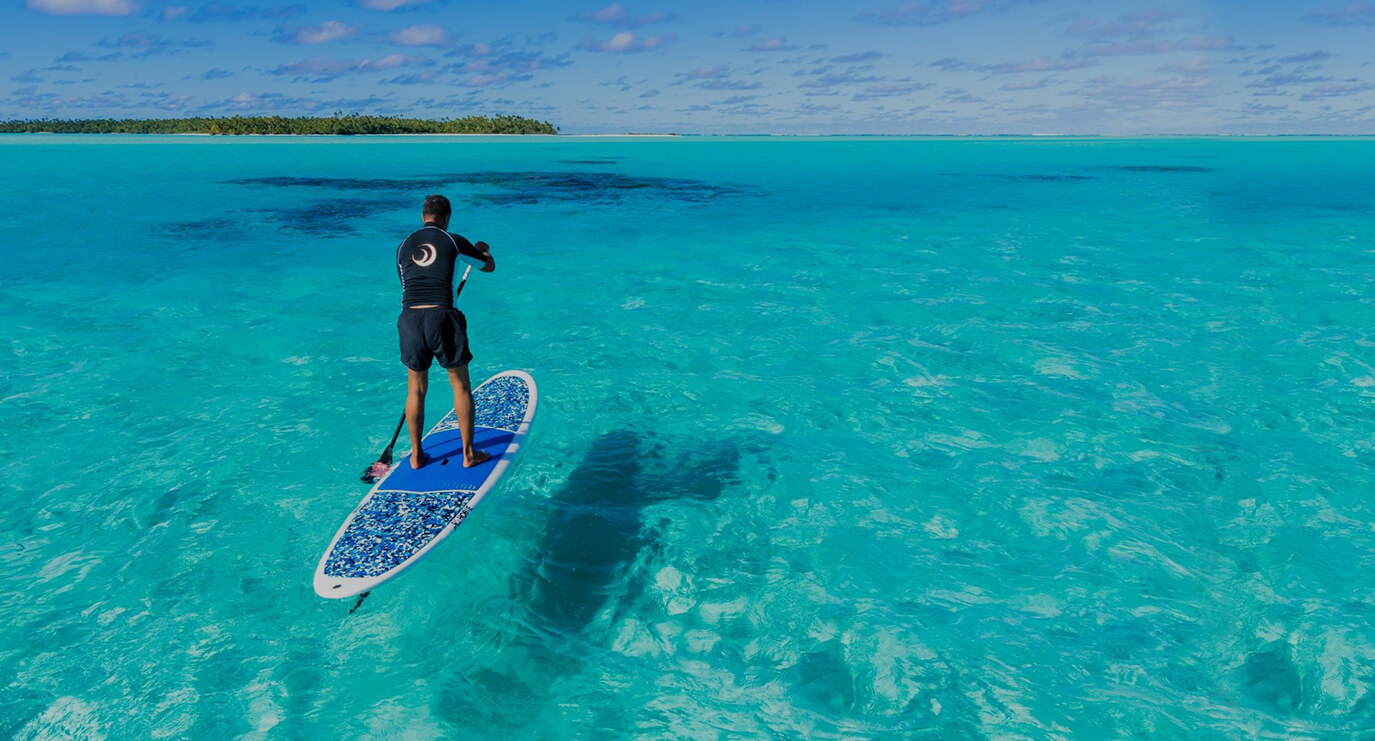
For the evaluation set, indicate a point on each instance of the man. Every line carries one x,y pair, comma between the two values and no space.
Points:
430,327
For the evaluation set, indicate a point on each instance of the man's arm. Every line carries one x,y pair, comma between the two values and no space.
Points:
486,250
475,255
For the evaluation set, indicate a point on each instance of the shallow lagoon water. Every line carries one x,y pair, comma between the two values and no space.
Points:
860,438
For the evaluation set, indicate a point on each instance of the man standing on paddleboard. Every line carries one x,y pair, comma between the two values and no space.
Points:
430,326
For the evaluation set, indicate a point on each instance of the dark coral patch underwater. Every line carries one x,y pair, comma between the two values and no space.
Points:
1163,168
520,188
1048,178
334,216
215,228
338,183
528,188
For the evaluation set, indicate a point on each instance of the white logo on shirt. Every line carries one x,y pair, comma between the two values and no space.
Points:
427,256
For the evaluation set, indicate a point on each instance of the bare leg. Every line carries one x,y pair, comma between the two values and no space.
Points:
463,409
417,383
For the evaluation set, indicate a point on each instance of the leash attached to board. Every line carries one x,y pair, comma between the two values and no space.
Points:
382,465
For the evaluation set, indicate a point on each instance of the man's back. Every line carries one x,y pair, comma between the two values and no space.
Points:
425,263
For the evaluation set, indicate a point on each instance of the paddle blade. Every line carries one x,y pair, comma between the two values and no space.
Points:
374,472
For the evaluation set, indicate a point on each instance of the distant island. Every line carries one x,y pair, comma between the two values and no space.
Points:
336,125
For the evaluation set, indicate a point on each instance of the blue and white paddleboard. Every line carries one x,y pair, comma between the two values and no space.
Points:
410,511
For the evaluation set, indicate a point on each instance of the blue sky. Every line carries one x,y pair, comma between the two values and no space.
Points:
747,66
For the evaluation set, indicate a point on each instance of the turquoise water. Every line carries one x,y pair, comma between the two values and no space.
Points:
838,438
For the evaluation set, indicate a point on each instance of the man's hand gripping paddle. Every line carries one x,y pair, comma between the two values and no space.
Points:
382,466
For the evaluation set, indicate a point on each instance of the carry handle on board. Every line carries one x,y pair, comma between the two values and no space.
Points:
379,468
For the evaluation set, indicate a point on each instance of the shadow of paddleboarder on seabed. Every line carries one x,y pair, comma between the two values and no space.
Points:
596,531
597,555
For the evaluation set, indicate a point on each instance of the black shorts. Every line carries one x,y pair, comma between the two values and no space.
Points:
427,334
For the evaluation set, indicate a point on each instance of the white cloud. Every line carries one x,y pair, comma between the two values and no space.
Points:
278,102
172,12
1312,56
1024,85
1139,25
500,63
82,7
610,14
625,43
895,88
777,43
1337,90
617,16
322,34
708,73
413,78
867,56
1356,14
390,4
391,61
1039,64
1147,94
1145,47
932,12
328,69
215,12
421,35
1194,66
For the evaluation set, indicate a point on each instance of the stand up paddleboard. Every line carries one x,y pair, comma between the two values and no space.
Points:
410,511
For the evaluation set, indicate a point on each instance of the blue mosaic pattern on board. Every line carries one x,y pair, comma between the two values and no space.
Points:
501,403
391,527
448,422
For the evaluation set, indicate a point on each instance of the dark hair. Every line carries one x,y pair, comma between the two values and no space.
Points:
437,205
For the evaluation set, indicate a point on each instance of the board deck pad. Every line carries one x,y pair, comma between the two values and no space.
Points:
409,510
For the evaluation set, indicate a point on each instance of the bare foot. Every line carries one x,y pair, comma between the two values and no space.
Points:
479,457
419,459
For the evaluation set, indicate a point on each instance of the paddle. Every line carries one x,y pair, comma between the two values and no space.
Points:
383,463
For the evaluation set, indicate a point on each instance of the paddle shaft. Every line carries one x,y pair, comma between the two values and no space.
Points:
386,454
462,281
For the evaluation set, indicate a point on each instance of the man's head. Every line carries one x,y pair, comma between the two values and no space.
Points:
437,209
